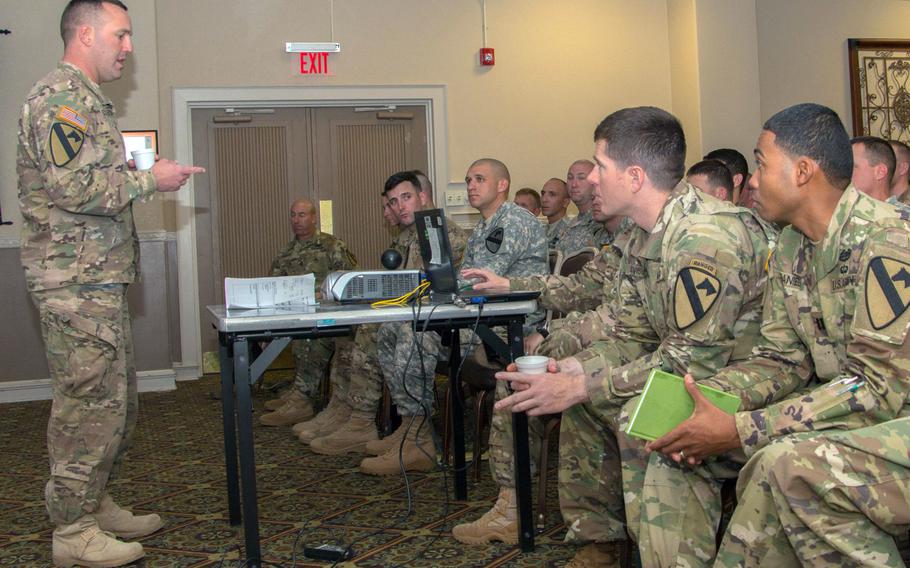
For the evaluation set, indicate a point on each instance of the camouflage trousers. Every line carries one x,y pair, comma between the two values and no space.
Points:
681,509
596,457
837,499
311,359
88,343
355,375
408,362
502,456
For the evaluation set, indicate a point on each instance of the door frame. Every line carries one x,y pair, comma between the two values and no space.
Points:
431,97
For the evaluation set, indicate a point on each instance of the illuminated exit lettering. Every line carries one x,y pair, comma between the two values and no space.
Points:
316,63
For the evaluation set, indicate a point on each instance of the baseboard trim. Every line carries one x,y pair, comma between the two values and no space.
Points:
40,389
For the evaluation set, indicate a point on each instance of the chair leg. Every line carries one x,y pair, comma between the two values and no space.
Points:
385,411
543,466
480,398
447,427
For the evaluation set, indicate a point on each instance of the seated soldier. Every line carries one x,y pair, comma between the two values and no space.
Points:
583,231
739,169
348,422
313,251
873,166
687,297
832,353
554,200
529,199
507,239
408,356
712,177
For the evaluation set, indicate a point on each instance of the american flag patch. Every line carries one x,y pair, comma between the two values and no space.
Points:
72,117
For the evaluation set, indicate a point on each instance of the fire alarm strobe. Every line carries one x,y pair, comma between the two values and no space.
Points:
487,57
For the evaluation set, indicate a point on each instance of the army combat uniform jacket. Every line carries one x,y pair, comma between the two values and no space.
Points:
75,189
320,254
687,297
834,331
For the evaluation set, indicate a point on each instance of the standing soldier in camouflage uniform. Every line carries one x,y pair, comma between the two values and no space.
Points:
687,297
408,358
833,341
311,251
79,251
583,231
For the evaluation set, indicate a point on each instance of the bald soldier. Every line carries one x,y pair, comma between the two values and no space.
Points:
80,251
554,199
310,251
832,355
687,297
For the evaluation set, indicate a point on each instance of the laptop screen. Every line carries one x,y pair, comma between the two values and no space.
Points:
436,251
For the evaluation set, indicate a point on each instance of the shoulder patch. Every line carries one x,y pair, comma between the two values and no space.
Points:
494,240
694,293
887,290
64,143
73,118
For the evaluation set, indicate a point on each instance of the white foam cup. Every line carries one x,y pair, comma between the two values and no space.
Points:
144,158
532,364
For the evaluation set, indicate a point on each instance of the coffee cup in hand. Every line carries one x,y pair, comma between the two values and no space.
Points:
144,158
532,364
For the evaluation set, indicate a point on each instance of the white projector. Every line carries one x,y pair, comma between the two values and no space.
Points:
368,285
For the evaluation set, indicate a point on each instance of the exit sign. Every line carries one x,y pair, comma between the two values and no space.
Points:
314,63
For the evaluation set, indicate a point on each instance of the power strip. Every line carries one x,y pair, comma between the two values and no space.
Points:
327,552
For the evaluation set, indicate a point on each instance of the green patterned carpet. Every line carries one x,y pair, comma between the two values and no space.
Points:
176,468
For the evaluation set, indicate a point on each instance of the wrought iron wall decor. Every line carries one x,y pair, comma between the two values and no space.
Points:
880,87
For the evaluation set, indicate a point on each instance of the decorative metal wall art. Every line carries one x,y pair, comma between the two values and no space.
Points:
880,87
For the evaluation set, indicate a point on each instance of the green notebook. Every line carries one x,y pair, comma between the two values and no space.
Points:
665,403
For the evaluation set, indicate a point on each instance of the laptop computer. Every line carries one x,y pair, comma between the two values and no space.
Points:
439,266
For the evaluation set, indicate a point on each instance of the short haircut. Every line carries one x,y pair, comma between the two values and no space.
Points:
878,152
735,162
561,183
401,177
901,150
498,167
425,184
532,192
815,131
716,172
647,137
77,12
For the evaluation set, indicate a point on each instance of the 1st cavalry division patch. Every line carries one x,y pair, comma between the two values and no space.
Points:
887,290
65,143
695,292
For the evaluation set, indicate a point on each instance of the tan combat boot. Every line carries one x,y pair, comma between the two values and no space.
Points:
124,524
417,454
499,523
83,543
352,436
393,440
596,555
329,420
277,403
297,409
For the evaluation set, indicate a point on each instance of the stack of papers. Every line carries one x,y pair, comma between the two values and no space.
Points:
665,403
270,292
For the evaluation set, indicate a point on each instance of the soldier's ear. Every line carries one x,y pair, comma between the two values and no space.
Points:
804,169
86,35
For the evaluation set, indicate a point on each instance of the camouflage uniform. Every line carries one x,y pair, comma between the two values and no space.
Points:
556,229
511,243
319,254
79,251
687,299
833,311
405,362
584,231
837,499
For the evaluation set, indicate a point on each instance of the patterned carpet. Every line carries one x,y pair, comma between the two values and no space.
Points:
176,469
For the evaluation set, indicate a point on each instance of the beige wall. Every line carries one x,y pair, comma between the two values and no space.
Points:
684,71
802,48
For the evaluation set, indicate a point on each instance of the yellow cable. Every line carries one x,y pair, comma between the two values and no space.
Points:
402,300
